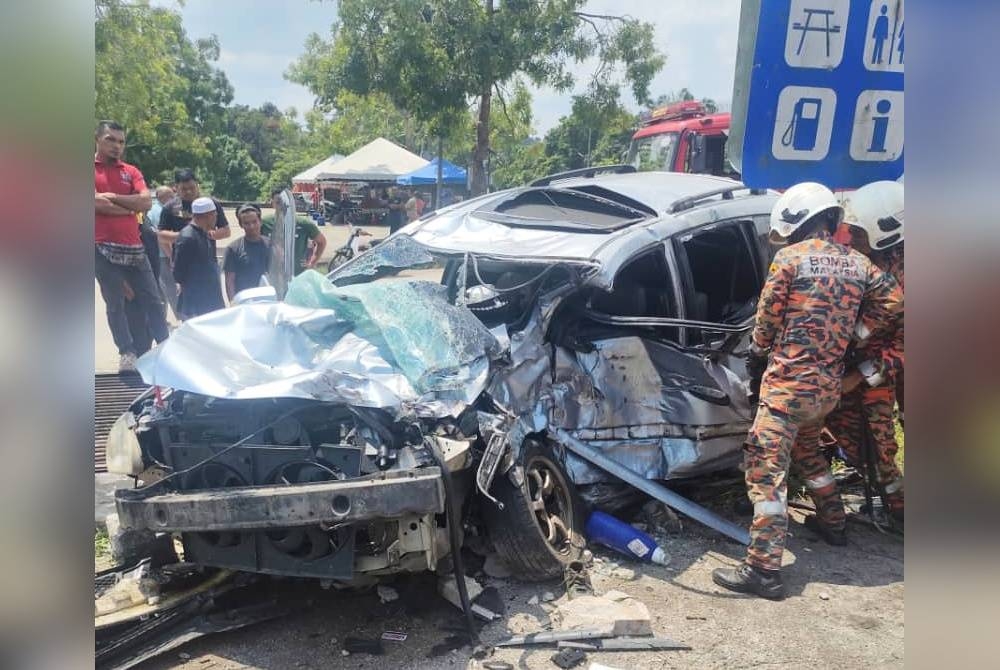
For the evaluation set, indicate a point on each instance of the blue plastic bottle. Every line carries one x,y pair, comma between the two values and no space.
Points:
607,530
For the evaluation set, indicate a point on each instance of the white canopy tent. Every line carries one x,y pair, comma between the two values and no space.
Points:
312,174
379,160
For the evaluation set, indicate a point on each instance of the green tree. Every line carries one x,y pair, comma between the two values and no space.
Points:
234,174
433,57
263,131
159,84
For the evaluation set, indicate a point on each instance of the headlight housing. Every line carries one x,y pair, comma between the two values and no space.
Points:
123,453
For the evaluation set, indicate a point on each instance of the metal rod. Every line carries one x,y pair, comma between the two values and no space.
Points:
546,637
661,493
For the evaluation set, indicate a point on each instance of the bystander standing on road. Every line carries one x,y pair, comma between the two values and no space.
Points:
138,324
411,206
306,255
397,216
163,198
178,212
120,259
246,259
195,266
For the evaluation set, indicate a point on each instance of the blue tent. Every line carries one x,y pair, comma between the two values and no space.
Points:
450,174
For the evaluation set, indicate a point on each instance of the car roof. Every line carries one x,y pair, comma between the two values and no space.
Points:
473,226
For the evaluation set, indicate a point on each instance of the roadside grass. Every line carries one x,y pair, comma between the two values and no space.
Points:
102,546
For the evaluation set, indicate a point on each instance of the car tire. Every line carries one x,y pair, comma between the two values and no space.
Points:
538,532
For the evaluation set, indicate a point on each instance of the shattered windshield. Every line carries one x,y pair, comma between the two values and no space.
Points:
390,257
410,321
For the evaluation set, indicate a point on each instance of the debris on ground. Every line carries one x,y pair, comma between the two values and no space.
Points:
615,613
386,594
449,591
533,600
548,597
143,611
358,645
497,665
496,568
824,595
394,636
552,636
624,643
659,518
569,658
576,579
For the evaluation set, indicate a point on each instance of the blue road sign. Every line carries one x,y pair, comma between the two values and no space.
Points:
819,92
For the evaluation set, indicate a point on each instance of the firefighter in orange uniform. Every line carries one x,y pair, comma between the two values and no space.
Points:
807,316
875,217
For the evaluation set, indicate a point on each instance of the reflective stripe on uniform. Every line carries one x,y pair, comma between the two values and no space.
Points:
894,485
820,482
862,332
770,508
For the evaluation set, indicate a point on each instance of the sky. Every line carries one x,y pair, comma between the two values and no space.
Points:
260,38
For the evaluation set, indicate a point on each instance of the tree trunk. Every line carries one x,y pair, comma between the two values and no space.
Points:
437,187
478,179
481,153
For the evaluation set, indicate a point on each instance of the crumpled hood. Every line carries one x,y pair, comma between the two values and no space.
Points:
396,345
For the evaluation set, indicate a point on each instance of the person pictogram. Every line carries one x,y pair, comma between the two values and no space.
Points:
880,34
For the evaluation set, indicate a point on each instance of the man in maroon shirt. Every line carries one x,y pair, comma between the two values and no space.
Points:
119,194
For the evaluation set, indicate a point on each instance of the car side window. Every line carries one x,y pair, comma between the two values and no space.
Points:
720,271
643,287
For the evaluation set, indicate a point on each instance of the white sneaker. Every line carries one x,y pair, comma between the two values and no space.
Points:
126,363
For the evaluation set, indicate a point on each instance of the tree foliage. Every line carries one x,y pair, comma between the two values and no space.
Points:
175,104
432,58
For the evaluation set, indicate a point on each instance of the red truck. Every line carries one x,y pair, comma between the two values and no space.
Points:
682,137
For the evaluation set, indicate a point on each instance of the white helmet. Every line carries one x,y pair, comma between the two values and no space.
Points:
798,205
877,208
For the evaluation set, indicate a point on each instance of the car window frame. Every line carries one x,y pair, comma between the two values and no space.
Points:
677,258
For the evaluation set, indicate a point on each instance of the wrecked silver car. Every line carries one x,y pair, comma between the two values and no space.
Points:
431,388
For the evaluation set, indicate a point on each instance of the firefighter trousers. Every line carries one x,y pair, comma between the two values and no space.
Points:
874,405
780,440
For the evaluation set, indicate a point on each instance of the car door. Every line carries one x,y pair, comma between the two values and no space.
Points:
640,392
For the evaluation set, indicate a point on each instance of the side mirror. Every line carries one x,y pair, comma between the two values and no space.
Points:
699,157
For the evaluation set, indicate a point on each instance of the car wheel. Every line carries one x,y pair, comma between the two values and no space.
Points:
539,531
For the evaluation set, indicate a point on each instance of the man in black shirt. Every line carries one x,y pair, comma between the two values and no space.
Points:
195,266
247,258
177,213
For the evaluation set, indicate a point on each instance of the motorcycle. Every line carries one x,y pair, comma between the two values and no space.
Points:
358,241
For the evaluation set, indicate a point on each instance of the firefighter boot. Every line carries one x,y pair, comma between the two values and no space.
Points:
748,579
835,536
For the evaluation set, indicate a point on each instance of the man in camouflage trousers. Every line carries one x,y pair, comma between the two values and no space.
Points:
875,216
806,318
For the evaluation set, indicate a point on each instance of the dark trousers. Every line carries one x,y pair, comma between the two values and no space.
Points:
110,278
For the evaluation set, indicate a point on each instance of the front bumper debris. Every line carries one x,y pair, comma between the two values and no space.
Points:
385,495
